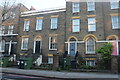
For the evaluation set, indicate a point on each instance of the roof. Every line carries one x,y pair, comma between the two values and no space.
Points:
44,11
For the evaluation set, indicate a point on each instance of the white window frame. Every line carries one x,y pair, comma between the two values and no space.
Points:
2,46
2,29
54,23
115,22
39,23
26,25
91,24
75,26
75,7
114,4
11,29
54,43
90,63
91,6
90,52
50,59
22,44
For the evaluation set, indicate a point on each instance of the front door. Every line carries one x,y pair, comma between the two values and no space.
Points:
38,47
72,49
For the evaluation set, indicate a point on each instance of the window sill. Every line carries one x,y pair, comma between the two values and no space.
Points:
115,28
90,53
24,49
52,49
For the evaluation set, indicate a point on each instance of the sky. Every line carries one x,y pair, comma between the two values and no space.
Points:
43,4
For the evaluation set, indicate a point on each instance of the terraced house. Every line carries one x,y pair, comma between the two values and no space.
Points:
9,29
78,29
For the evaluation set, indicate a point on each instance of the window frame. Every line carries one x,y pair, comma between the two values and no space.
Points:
11,29
39,25
92,24
75,25
22,43
54,23
114,4
91,6
90,63
53,43
26,25
2,46
115,21
2,29
74,7
90,52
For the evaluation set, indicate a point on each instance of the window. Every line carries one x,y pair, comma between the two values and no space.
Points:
39,24
76,25
90,62
114,4
90,46
50,59
54,23
90,6
52,43
75,7
2,45
2,29
24,45
91,24
115,22
11,28
26,25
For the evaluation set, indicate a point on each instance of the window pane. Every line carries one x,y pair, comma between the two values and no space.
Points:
114,4
39,24
53,23
75,7
90,45
25,43
52,43
26,25
76,25
91,24
90,6
115,22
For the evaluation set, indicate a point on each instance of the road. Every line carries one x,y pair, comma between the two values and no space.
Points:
6,76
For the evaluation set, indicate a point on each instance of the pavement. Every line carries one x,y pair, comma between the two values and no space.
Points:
64,75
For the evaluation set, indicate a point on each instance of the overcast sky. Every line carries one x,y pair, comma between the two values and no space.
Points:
43,4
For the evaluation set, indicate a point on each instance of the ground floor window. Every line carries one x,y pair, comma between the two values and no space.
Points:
90,63
50,59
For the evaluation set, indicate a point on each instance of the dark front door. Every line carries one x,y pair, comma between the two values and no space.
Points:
37,47
72,49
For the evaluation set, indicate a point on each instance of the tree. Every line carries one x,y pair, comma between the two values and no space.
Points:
105,51
6,7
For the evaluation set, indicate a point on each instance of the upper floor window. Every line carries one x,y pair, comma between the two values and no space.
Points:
39,24
26,25
76,25
91,24
11,29
2,45
115,22
75,7
90,6
90,45
53,43
114,4
54,22
24,44
2,29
